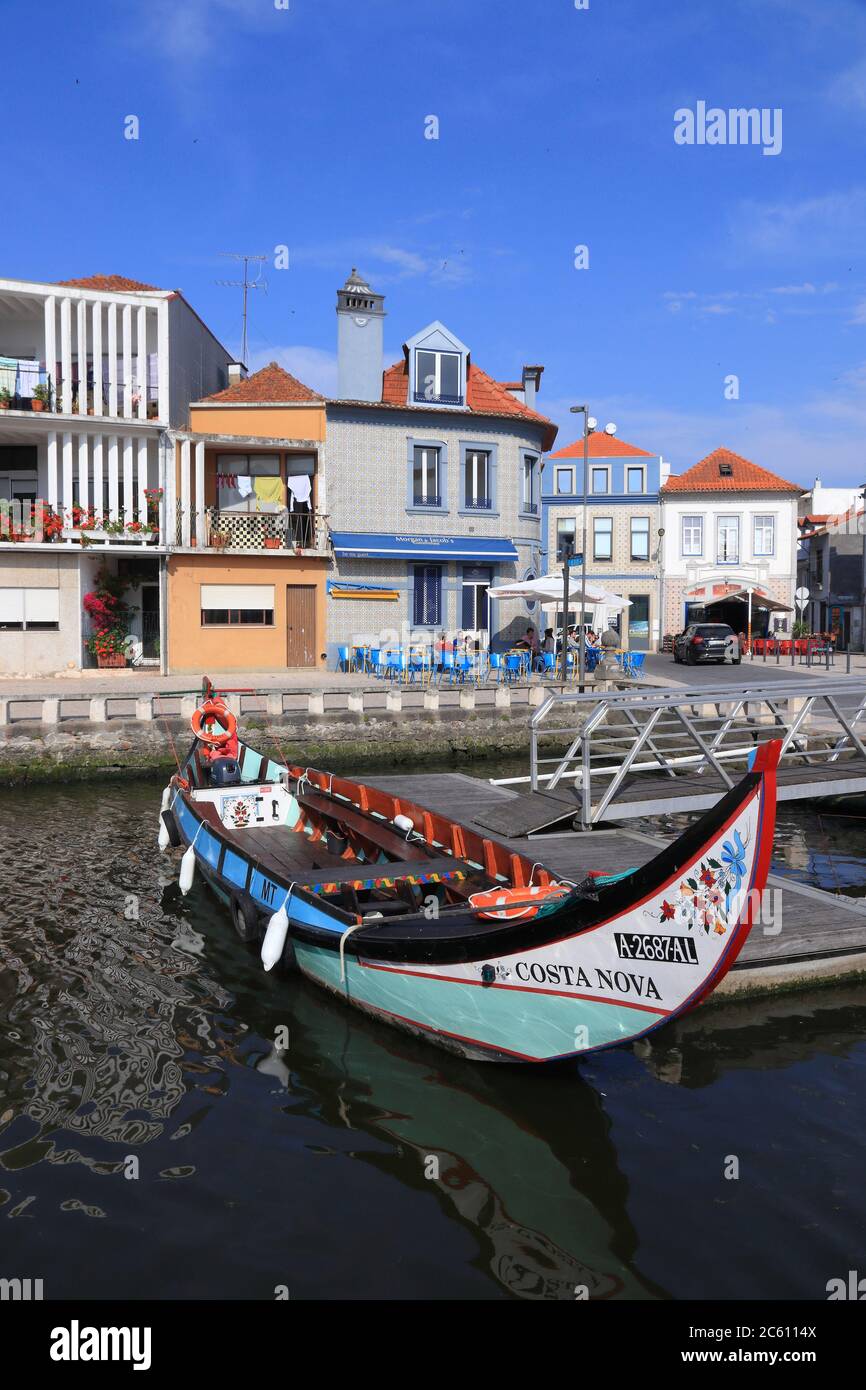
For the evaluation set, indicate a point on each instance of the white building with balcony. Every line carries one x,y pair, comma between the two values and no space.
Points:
730,546
94,375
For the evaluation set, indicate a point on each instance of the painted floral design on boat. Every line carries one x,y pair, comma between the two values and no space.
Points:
703,897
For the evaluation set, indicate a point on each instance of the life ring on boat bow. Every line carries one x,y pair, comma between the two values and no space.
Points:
501,904
214,712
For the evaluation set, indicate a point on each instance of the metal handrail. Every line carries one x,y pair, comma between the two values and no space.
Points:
672,734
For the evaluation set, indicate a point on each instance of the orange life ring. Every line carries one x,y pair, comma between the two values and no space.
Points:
500,904
214,712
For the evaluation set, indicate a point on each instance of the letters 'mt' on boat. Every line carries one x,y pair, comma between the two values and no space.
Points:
434,927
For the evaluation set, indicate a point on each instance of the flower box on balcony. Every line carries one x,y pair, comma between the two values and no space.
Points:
272,543
111,660
96,535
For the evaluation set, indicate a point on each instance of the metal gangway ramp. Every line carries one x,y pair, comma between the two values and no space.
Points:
644,753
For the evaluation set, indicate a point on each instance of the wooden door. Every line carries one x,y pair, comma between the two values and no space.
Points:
300,625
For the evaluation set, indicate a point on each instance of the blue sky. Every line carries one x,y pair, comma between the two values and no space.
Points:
262,126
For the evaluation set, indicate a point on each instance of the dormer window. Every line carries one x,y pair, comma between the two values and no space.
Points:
437,377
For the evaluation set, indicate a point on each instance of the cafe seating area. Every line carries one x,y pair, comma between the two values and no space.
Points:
424,665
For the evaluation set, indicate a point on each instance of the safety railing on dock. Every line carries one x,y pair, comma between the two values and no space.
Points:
693,739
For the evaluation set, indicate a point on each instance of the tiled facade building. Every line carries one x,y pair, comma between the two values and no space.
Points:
621,545
434,476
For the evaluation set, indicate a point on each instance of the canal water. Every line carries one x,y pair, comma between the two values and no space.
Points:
156,1141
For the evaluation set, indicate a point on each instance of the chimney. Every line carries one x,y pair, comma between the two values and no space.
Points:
237,372
360,335
531,385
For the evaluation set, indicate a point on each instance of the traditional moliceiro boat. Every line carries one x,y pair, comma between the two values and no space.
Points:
436,928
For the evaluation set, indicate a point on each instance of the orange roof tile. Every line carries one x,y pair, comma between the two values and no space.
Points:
601,446
118,283
272,385
484,396
740,475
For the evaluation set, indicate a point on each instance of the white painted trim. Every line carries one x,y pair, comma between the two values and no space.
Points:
142,479
83,473
141,367
66,355
128,480
113,477
66,496
127,361
199,493
96,324
51,344
184,492
112,360
97,476
52,470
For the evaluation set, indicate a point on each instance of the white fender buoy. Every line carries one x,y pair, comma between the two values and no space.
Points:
275,935
187,870
405,824
162,838
166,798
187,866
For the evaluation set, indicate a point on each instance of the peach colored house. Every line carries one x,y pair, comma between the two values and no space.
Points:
247,575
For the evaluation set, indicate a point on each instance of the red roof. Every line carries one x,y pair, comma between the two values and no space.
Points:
484,396
725,471
272,385
118,283
601,446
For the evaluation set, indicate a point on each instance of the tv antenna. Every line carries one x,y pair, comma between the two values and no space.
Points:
246,285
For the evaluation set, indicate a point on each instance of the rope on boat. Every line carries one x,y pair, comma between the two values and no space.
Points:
356,926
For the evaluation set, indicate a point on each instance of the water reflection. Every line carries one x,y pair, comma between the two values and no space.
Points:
347,1162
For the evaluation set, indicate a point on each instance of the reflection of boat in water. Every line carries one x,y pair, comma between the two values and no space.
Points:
523,1159
445,932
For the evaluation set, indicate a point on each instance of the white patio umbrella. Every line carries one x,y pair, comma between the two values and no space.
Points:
548,590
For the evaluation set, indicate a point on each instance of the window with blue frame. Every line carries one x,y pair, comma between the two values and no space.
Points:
427,607
477,480
475,605
425,478
437,378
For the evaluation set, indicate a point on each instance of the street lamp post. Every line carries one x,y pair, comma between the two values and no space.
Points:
581,644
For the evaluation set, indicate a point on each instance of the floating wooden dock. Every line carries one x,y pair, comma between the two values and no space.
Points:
809,936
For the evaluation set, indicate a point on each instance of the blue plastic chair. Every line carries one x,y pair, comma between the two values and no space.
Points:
375,660
343,658
494,666
446,667
637,661
513,667
547,668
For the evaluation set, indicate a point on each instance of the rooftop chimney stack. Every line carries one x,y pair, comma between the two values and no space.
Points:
360,335
237,372
531,385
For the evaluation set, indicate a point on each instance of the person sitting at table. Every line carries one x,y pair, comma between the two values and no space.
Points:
592,640
528,643
548,645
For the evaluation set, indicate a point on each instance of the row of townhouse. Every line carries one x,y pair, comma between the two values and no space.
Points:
831,561
680,548
256,524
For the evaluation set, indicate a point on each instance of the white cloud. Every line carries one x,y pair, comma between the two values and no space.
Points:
833,224
190,31
313,366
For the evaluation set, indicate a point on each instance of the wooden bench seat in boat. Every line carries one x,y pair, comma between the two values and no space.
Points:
391,841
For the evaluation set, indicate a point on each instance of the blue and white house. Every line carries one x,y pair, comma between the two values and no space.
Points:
621,544
434,486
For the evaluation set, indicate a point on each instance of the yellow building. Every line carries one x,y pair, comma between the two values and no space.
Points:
247,577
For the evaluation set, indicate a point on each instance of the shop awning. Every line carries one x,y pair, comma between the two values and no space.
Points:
368,545
708,594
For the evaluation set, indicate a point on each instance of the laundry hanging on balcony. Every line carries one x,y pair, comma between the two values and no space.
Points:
268,490
300,490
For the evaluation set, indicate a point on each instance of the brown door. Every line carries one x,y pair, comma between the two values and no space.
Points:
301,624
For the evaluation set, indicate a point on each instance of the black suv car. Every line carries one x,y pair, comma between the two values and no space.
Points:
707,642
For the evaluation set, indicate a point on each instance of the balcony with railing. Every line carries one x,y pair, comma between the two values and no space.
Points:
430,499
72,351
293,532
